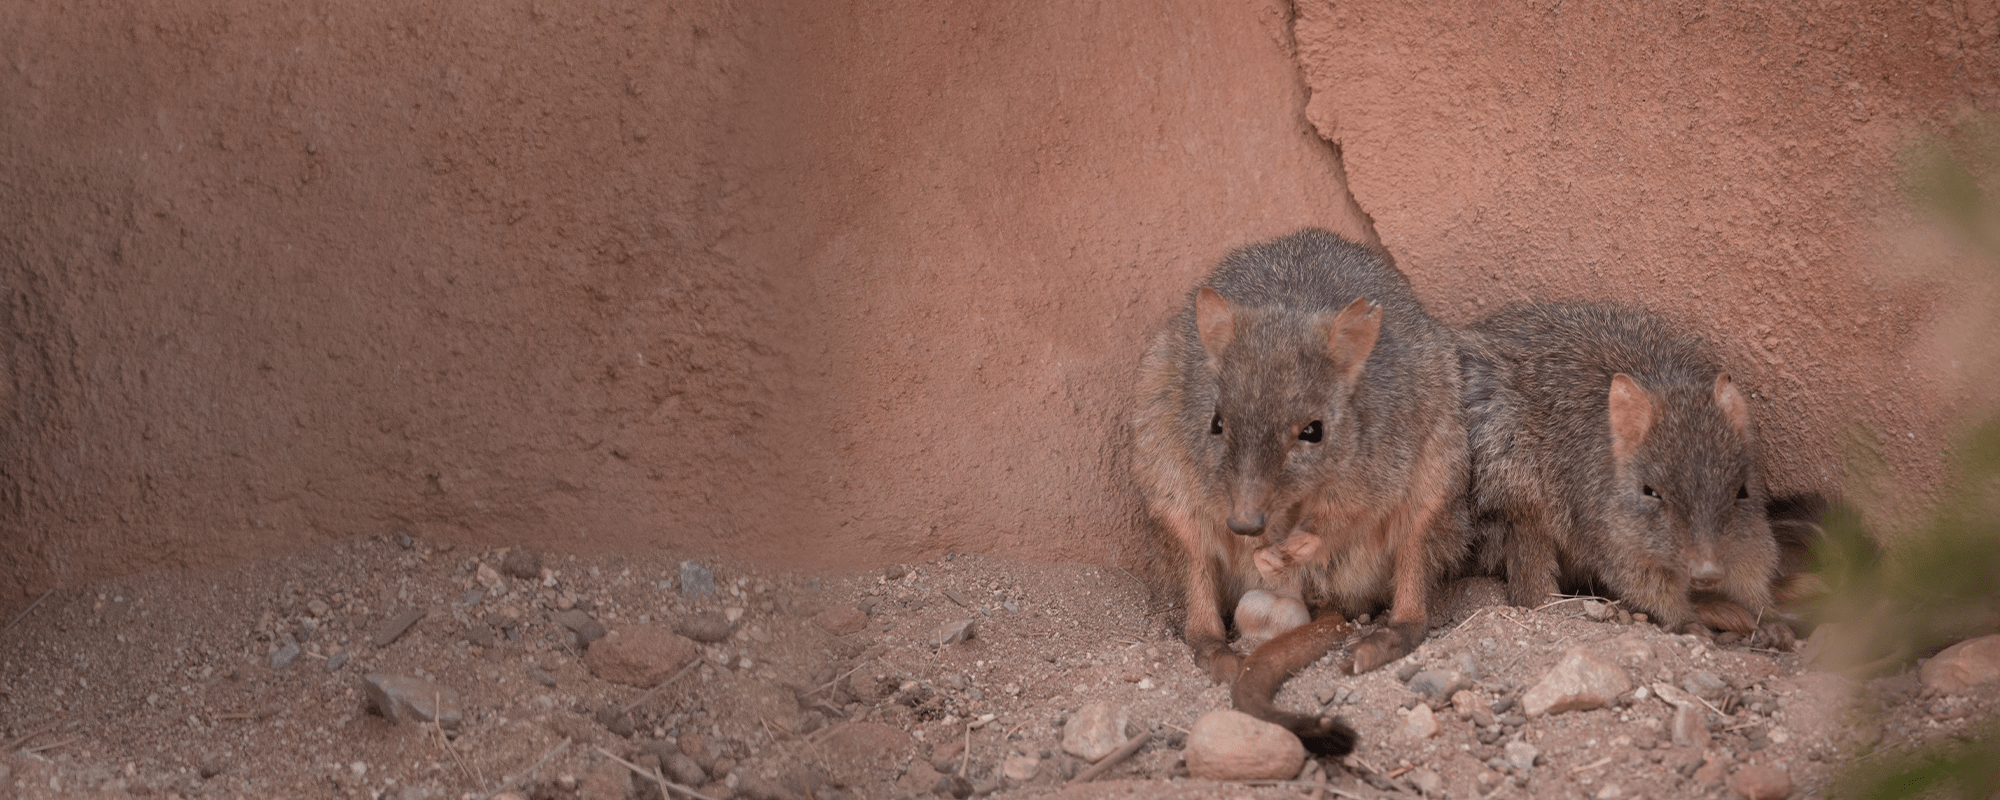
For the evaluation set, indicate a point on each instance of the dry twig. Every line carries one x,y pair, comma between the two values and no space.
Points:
24,612
655,777
661,685
508,782
1123,752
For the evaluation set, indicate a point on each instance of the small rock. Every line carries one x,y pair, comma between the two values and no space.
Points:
946,756
490,577
1095,730
1690,729
695,747
1711,772
1705,685
400,697
1521,755
919,780
1438,685
520,562
1581,681
1634,653
283,658
639,655
587,630
611,782
337,660
1610,792
394,626
1230,745
841,620
1472,707
859,751
895,572
955,632
542,678
1761,782
1962,666
619,724
1421,723
1426,781
1020,768
707,628
696,580
211,766
1598,611
953,786
682,768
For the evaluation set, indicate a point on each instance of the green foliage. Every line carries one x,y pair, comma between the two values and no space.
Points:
1941,583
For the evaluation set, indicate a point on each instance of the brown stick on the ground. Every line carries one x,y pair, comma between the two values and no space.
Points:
437,708
508,781
23,738
655,777
1123,752
661,685
24,612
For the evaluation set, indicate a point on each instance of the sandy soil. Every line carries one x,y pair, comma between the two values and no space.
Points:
163,685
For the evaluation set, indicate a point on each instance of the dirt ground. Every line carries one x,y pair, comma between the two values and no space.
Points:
164,685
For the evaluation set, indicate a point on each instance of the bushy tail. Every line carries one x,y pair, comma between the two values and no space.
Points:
1267,669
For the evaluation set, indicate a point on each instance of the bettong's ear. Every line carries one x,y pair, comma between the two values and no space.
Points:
1214,320
1352,336
1734,407
1631,416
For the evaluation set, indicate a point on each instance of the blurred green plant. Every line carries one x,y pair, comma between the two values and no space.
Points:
1941,583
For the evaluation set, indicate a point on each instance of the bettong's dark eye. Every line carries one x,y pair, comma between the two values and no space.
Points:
1648,491
1215,425
1311,432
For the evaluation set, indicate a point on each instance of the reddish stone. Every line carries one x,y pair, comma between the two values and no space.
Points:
639,655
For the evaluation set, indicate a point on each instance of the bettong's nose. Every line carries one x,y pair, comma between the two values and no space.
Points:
1246,524
1707,575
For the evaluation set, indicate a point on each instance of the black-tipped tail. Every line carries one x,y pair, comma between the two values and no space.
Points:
1266,671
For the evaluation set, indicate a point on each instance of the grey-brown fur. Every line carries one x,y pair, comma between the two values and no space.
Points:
1557,509
1380,490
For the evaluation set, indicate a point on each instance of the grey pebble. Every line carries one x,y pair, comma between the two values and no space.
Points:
1704,684
587,630
393,627
400,697
522,563
285,656
707,627
1521,755
955,632
1438,685
696,580
337,660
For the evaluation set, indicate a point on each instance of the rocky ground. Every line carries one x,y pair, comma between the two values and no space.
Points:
395,668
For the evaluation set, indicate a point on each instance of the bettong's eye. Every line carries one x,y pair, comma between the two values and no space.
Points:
1311,432
1215,425
1648,491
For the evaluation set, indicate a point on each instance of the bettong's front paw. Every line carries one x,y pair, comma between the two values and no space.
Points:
1221,663
1386,645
